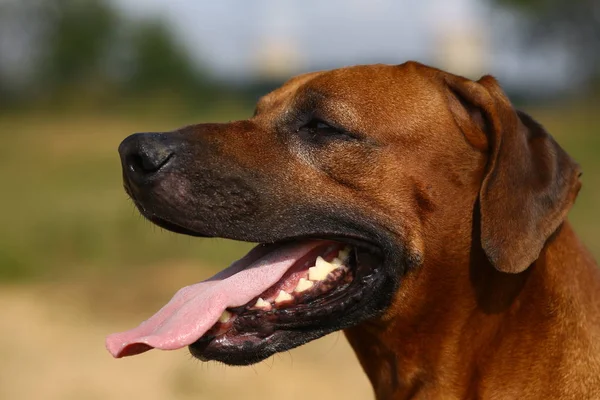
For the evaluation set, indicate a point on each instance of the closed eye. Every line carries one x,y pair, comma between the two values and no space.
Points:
319,129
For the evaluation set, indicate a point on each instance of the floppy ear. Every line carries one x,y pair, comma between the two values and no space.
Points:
530,182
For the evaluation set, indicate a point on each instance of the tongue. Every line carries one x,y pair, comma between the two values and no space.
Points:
196,308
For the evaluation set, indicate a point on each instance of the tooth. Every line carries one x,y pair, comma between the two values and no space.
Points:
316,274
303,285
226,316
321,263
283,296
321,269
337,261
344,253
262,304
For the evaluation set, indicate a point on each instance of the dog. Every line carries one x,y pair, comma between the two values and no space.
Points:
414,209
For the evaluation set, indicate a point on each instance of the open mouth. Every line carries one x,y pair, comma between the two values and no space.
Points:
275,290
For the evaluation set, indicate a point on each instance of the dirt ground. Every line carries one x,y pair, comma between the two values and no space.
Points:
52,347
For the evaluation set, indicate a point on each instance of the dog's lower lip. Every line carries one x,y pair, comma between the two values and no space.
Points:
173,227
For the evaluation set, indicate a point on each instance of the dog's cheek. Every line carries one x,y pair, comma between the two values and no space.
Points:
349,164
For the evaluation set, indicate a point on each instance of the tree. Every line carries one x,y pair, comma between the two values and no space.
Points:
159,62
77,40
84,49
573,23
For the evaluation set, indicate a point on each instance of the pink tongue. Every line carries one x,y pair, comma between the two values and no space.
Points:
196,308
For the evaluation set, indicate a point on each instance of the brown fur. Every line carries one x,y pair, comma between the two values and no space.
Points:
501,300
458,327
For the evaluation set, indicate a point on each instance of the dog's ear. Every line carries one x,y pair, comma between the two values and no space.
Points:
530,182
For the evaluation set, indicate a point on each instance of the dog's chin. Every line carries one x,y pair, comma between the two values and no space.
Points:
251,349
347,297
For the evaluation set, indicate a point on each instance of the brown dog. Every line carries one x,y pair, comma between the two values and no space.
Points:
433,212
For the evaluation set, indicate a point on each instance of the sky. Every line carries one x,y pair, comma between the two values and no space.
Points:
246,38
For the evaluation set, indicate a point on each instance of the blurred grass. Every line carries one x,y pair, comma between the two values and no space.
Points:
64,211
63,206
577,128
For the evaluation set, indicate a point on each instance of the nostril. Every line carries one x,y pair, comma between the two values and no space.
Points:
136,163
146,154
147,163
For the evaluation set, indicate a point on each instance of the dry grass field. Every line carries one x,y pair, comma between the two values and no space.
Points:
52,349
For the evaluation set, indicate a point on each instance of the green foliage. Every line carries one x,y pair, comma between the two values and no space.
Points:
77,42
575,24
84,49
525,5
159,62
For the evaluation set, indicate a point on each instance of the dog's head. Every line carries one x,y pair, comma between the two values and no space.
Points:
349,179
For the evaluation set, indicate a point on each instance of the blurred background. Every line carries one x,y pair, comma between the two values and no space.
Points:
76,76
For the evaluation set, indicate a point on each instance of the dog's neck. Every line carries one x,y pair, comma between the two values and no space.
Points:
433,343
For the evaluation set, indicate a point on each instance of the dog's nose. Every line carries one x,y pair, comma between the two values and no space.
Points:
144,154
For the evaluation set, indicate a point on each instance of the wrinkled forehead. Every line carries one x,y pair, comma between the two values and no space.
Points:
354,95
284,96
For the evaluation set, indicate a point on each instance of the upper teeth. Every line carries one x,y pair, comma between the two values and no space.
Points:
321,269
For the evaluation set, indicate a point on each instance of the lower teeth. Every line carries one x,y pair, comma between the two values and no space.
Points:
322,272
